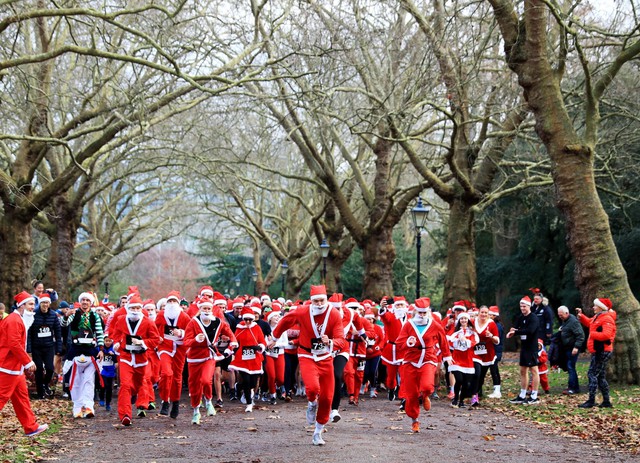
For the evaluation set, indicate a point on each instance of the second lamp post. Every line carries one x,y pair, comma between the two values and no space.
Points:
419,215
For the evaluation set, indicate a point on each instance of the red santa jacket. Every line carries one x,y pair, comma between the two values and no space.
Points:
418,347
312,327
251,346
376,343
543,358
170,342
355,327
200,351
462,343
392,327
485,351
13,345
122,332
602,331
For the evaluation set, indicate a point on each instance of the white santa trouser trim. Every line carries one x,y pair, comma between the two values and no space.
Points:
83,386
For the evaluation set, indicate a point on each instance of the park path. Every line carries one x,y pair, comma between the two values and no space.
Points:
373,432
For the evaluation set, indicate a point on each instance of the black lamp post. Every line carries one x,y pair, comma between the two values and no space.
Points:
285,268
237,282
254,277
324,250
419,215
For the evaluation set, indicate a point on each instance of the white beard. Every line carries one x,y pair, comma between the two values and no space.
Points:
420,321
27,319
172,310
317,309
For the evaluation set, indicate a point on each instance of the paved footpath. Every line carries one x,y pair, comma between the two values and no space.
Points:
373,432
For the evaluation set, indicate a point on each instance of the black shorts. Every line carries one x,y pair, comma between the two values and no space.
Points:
528,358
224,364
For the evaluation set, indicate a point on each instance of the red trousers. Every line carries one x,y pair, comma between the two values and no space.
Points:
353,375
392,375
274,368
200,381
14,388
416,383
319,384
171,375
131,382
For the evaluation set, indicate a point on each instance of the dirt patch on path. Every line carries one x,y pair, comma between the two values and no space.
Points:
372,432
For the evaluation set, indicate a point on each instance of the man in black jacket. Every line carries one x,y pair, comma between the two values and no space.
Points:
526,328
572,336
43,341
545,318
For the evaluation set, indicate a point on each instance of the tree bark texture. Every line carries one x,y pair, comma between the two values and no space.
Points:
15,257
378,254
461,278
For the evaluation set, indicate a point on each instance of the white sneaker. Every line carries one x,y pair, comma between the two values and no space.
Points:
211,410
43,427
312,409
362,390
317,439
249,408
243,400
495,395
335,416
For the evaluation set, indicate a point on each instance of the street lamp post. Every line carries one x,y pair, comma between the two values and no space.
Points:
285,268
254,277
237,282
419,215
324,249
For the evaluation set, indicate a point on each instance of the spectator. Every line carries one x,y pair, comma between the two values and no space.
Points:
572,338
602,332
526,327
3,311
545,317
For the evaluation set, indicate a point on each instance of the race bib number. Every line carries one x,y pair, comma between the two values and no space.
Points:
523,337
361,365
44,332
275,350
480,348
107,362
318,347
168,333
248,353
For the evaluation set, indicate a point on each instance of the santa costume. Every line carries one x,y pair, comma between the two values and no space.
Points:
419,343
393,318
320,333
356,331
14,360
461,343
274,364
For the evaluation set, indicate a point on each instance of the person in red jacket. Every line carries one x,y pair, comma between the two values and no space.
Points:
320,333
393,317
485,352
200,339
248,359
602,332
14,360
462,343
418,343
171,324
133,335
374,349
357,330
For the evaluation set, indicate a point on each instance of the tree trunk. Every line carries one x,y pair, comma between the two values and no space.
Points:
15,257
461,278
63,242
378,254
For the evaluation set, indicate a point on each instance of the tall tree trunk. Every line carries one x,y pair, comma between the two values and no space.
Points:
63,242
461,278
378,254
15,257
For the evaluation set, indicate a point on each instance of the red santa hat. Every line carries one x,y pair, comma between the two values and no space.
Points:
368,313
265,297
437,314
202,302
336,300
148,304
463,315
494,310
206,290
397,299
22,298
352,303
526,300
247,312
423,304
367,303
45,297
86,295
318,291
272,314
256,307
131,291
135,301
603,303
175,295
219,299
276,306
459,305
237,302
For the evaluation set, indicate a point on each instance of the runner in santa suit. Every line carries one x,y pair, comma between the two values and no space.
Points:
357,330
320,333
393,317
274,363
462,343
484,351
14,360
171,324
153,370
419,343
200,339
133,335
248,358
374,350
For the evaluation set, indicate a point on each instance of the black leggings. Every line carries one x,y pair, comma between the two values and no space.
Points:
495,373
43,358
481,372
463,388
249,382
290,367
339,362
106,392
